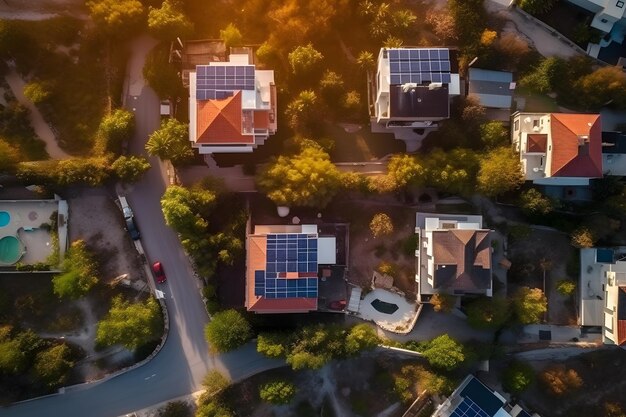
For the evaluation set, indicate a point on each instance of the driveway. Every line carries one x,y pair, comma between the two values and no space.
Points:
179,367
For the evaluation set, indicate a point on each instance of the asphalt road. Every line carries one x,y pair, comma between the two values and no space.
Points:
179,367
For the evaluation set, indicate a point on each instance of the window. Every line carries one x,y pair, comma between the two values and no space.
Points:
516,125
620,4
535,123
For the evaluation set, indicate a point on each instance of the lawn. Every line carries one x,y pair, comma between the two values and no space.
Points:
536,102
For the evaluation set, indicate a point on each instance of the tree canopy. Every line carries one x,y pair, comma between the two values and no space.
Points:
231,36
488,313
443,352
52,365
116,17
534,203
529,305
303,112
114,130
80,272
227,330
183,208
304,59
404,170
170,142
129,169
162,75
9,156
560,380
306,179
443,302
130,324
277,392
500,172
381,225
518,376
493,134
537,6
169,21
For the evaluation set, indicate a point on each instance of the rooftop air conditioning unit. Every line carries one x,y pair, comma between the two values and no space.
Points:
433,86
407,87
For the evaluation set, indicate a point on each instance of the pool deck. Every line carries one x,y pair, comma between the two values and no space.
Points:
25,223
400,322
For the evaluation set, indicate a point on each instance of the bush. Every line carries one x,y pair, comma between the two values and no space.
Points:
560,381
381,225
214,382
582,238
443,302
227,331
443,352
518,377
175,409
566,287
277,392
387,269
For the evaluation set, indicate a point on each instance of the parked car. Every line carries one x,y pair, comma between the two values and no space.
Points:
130,223
159,273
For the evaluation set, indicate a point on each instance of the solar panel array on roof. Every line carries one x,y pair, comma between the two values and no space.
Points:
219,82
290,268
419,66
468,408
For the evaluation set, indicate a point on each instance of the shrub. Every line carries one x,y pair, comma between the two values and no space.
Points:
566,287
582,238
227,331
381,225
175,409
443,302
277,392
560,381
518,377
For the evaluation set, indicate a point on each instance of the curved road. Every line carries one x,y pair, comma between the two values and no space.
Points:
179,367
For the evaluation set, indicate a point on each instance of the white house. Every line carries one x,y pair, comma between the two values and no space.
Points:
607,12
453,255
232,106
558,148
413,86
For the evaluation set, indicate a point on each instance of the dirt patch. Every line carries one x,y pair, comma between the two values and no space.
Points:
535,251
98,221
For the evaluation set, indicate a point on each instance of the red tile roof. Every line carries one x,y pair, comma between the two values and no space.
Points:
537,142
219,121
261,119
257,252
573,155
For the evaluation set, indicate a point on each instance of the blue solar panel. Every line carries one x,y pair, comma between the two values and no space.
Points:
419,65
219,82
467,408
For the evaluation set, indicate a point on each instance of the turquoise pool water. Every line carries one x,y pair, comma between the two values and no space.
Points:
5,218
9,250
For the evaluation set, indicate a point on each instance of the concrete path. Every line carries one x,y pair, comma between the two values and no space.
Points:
42,129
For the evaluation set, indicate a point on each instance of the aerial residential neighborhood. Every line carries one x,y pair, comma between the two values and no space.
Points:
348,208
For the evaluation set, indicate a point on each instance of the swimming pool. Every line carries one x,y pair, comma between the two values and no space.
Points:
10,251
384,307
5,218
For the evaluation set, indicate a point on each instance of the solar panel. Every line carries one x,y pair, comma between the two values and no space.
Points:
419,65
291,266
468,408
219,82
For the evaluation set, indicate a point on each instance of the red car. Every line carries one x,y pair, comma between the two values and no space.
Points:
159,273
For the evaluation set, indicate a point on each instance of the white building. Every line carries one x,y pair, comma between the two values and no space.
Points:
232,106
607,12
603,292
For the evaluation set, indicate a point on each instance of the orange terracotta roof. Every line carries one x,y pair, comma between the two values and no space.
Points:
568,159
537,142
219,121
621,316
261,119
257,253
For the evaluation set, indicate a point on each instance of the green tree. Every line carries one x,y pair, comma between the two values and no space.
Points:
115,129
529,305
214,382
331,86
213,409
493,134
534,203
9,156
442,302
604,85
352,101
402,21
566,287
273,345
537,6
171,142
404,170
231,36
183,208
381,225
543,78
175,409
500,171
443,352
518,376
130,324
169,21
306,179
361,337
454,171
227,330
162,75
277,392
303,112
116,17
306,360
37,92
365,60
12,359
52,365
80,272
304,59
488,313
583,238
129,169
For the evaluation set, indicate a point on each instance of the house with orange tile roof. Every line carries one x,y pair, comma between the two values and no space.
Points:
453,255
603,292
232,106
558,148
282,264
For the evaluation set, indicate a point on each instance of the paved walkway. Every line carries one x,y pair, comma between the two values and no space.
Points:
42,129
